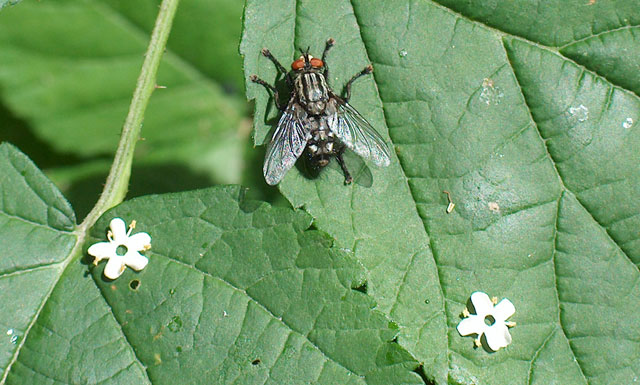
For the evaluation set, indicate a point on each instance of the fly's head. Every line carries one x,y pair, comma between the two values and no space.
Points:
307,63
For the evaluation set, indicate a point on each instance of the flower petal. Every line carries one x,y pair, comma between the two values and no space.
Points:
138,241
471,325
135,260
482,303
114,267
102,250
503,310
119,230
497,336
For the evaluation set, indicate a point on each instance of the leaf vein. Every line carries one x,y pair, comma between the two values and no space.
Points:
434,256
554,162
268,311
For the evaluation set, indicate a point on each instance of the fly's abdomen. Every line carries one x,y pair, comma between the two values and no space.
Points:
321,146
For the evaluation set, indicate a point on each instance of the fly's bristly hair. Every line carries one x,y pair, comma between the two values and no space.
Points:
318,121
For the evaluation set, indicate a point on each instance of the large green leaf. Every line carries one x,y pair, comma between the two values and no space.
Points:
540,155
67,73
240,292
236,291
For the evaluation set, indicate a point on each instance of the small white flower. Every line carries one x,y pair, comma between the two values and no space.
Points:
489,320
122,249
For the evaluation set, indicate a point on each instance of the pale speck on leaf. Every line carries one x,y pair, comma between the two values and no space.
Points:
579,113
491,94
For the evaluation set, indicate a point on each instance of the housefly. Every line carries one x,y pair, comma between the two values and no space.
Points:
317,120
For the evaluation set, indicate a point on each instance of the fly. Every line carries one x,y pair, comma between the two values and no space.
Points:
317,120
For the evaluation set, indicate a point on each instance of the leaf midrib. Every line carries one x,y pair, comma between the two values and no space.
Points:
406,181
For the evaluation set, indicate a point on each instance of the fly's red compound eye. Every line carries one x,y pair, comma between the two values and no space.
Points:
316,63
297,65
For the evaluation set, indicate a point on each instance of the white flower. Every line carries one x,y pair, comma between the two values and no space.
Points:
489,320
122,249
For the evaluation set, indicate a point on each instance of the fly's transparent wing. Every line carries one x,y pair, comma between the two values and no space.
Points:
356,133
287,143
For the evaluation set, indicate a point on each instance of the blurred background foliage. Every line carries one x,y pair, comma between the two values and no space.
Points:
67,72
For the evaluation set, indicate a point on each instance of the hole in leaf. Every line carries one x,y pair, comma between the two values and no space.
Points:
134,284
176,324
362,288
489,320
121,250
255,362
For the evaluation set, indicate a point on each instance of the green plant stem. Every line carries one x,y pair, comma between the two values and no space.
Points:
117,182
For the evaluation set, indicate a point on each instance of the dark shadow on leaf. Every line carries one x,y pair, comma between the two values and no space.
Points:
420,372
248,205
253,178
19,133
285,95
146,179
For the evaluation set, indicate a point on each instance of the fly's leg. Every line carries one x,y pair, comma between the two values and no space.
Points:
366,71
276,96
279,66
327,47
347,176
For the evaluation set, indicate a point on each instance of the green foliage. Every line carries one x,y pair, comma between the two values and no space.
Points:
526,112
540,156
68,72
36,235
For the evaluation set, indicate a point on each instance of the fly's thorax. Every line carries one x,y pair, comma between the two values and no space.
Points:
312,91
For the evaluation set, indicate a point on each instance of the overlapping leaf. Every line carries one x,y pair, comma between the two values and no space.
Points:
540,156
68,72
